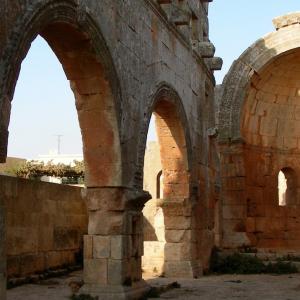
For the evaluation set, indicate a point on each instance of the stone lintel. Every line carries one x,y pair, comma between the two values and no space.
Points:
286,20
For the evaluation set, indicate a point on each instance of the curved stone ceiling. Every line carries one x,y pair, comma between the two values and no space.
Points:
271,112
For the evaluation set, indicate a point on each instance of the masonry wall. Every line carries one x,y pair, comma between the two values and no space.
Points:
141,48
252,216
44,225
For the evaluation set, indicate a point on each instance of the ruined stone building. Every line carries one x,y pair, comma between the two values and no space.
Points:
217,179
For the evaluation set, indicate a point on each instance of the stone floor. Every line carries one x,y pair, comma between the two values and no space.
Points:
244,287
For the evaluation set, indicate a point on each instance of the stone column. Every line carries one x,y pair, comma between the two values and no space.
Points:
114,244
2,254
180,248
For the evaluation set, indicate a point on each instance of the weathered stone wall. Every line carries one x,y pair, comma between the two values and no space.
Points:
259,137
122,58
251,212
45,224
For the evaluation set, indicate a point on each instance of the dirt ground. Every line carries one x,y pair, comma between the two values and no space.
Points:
245,287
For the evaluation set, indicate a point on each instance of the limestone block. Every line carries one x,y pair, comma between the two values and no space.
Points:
290,143
135,269
178,223
234,183
286,20
250,224
106,223
88,246
54,259
160,234
261,224
178,251
235,240
234,225
234,212
234,198
32,263
104,199
181,269
153,265
154,249
214,63
95,271
176,236
12,266
66,238
102,246
117,270
120,246
206,49
268,126
180,16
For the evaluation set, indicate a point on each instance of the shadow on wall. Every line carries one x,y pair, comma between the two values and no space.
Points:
259,137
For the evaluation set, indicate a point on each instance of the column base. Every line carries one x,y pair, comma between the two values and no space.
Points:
134,292
183,269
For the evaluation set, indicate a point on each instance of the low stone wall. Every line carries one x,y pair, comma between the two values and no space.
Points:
45,224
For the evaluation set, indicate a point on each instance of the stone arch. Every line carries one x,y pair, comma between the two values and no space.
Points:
81,48
247,67
177,203
258,137
170,97
173,135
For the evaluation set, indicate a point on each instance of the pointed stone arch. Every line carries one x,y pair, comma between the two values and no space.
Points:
80,47
177,204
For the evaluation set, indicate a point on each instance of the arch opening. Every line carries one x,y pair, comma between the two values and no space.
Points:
287,187
164,214
43,220
85,65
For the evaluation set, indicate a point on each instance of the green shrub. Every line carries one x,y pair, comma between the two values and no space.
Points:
245,264
281,267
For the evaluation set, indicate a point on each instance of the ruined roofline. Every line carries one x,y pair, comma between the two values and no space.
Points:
286,20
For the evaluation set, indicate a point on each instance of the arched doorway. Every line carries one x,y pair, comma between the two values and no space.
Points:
82,51
170,250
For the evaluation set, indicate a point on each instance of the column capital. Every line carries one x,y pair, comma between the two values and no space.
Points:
115,198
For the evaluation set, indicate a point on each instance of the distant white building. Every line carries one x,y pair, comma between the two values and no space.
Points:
67,159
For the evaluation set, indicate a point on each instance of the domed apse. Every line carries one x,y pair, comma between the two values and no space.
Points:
270,127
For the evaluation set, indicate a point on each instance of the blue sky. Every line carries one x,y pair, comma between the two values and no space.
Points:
43,104
236,24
